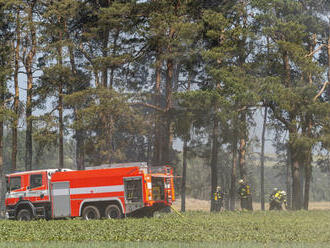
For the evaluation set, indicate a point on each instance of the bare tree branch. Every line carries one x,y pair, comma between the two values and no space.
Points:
149,106
8,100
321,91
280,117
83,51
315,51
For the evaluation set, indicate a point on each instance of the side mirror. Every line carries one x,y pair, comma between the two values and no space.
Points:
28,187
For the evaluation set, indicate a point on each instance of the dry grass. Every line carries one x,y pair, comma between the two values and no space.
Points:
203,205
193,204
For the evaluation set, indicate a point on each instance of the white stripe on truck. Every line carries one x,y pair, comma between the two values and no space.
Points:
89,190
61,192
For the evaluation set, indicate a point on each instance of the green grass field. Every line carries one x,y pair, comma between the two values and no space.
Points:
96,244
195,229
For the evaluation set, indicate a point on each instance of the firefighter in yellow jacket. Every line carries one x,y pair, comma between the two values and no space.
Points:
218,199
245,194
277,199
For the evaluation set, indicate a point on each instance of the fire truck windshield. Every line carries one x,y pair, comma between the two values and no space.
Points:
15,183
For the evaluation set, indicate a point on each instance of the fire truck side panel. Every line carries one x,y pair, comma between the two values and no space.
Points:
134,193
95,187
61,206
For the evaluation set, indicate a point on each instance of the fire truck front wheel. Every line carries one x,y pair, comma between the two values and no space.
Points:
112,212
24,215
91,213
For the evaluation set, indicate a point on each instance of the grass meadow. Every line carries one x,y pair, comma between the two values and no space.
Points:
194,229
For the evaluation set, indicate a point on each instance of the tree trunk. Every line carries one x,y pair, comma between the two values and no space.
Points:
61,128
287,69
157,122
80,155
16,98
242,146
233,171
308,162
262,162
105,54
169,84
72,60
2,180
29,70
110,140
28,156
328,88
167,156
288,176
184,177
296,194
295,163
184,165
78,133
308,176
28,141
233,180
114,52
214,161
60,103
302,180
168,137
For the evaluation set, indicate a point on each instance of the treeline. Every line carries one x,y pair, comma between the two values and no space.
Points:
198,181
124,78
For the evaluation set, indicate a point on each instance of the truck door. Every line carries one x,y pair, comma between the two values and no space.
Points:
133,193
61,206
37,188
15,190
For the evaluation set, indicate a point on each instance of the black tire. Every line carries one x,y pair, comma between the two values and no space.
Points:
24,215
112,211
91,213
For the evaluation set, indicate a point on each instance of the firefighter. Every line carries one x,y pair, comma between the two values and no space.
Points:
218,199
245,195
276,199
273,193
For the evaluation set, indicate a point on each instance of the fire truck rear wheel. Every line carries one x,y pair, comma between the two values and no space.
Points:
113,212
24,215
91,213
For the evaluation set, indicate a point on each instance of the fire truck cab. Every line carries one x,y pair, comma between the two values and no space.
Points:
108,191
28,194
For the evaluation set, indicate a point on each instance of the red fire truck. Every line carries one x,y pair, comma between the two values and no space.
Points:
108,191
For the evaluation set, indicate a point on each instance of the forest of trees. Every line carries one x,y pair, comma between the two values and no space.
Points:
112,81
